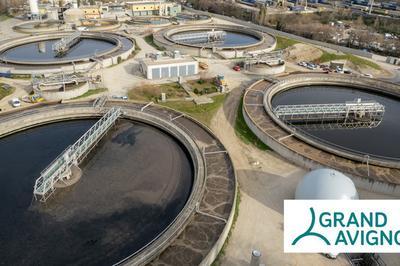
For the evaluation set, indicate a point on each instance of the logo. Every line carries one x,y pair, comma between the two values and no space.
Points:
337,226
309,231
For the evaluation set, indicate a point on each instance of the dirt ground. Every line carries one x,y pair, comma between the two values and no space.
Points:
302,52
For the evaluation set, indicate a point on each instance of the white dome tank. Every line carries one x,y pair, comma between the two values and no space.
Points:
34,7
325,184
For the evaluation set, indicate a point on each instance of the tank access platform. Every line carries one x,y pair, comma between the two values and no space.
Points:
62,46
61,167
201,37
351,114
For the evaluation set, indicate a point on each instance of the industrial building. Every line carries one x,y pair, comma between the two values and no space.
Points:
153,8
91,12
159,66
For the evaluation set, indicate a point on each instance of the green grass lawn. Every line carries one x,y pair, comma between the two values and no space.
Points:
21,76
244,132
358,61
153,92
4,92
204,112
149,39
283,43
4,17
90,92
203,86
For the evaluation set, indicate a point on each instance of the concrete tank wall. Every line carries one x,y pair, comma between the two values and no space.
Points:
51,95
267,70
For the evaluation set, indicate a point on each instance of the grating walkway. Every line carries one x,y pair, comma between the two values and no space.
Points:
201,37
62,46
60,168
353,113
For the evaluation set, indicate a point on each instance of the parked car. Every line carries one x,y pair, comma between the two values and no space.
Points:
367,75
302,63
311,66
120,97
339,70
347,71
15,102
236,68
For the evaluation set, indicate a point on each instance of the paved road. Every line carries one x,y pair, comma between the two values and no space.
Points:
285,34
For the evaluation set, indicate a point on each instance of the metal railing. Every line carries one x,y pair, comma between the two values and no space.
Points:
201,37
270,58
62,46
349,114
61,166
60,79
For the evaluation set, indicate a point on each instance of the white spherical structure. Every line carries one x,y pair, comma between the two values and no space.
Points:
34,7
326,184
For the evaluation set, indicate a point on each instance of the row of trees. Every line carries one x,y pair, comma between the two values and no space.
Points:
366,32
5,4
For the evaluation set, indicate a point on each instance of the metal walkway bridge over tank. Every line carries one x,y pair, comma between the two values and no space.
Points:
60,168
201,37
62,46
351,114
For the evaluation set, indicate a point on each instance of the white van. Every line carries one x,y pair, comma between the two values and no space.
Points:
15,102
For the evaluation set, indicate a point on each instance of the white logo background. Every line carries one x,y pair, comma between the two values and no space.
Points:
297,219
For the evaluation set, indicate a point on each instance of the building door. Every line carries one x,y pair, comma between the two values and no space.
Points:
174,71
182,71
155,72
190,70
165,72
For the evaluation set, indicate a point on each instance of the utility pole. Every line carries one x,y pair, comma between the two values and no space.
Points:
371,3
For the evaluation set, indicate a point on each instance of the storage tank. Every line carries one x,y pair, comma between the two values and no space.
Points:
326,184
33,4
52,13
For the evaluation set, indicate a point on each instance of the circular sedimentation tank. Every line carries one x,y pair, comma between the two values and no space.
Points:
234,38
231,39
138,191
99,24
121,203
23,55
41,51
39,26
367,151
47,26
377,141
236,41
191,18
150,21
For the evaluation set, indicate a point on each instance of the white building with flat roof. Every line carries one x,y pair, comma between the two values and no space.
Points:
159,66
